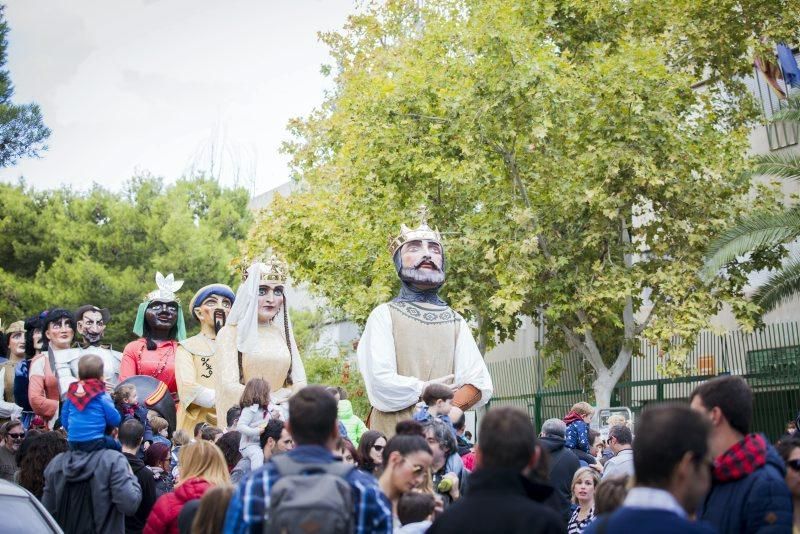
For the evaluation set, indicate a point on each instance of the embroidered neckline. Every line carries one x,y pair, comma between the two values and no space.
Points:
424,314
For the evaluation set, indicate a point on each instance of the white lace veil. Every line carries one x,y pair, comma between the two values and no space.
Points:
244,315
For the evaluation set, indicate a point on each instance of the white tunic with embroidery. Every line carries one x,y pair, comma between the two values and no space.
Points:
406,344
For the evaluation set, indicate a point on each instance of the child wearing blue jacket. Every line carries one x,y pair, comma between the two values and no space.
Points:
88,411
577,421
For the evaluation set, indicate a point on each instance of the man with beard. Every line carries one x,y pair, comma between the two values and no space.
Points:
14,345
417,339
159,322
91,323
194,361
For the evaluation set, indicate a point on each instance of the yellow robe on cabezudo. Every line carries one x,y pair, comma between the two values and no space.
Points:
194,373
271,362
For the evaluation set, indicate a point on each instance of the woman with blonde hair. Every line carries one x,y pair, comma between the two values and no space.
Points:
202,467
584,483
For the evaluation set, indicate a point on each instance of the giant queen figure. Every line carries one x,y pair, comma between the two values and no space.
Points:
417,339
257,340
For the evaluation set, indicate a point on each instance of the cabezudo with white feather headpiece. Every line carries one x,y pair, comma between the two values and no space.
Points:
159,323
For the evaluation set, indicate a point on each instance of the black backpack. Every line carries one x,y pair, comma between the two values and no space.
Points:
75,512
310,498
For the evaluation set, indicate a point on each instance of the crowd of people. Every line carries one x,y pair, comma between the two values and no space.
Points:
688,468
220,432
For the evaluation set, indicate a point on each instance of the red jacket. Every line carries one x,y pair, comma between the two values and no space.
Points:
163,517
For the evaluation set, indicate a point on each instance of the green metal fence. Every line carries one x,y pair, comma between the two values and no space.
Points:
769,359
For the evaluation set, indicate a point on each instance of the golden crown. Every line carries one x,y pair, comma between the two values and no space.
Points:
275,270
421,233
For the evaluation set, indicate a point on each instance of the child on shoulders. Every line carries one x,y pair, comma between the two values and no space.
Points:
88,409
577,421
126,400
438,399
353,426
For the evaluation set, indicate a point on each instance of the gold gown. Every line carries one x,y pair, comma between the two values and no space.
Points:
270,363
194,372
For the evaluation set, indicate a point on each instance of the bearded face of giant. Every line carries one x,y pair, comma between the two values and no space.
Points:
422,264
213,312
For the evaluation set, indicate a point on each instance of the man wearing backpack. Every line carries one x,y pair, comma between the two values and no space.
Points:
88,492
308,489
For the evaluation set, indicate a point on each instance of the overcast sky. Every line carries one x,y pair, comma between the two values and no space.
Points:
160,85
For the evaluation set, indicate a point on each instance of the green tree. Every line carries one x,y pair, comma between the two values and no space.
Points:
561,149
62,248
22,130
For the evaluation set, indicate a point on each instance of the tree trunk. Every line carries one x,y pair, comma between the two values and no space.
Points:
607,378
602,391
482,340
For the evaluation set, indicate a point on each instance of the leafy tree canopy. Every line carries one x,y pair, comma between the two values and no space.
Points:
22,130
561,149
62,248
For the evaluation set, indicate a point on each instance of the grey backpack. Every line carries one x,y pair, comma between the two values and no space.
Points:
310,498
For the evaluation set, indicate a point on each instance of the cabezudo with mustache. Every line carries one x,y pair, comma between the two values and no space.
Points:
417,339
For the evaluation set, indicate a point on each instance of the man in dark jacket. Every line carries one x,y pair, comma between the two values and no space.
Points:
114,490
562,462
672,475
748,492
498,500
131,436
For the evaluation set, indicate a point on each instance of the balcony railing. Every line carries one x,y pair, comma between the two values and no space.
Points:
779,134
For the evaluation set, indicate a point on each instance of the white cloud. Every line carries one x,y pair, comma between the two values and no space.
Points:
159,85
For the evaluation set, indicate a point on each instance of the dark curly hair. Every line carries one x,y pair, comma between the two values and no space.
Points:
31,324
229,445
41,449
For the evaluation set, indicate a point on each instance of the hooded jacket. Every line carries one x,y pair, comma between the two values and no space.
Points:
115,490
135,523
352,423
562,464
164,516
755,502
